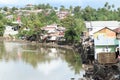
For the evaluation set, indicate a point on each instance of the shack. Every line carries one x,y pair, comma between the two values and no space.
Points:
105,41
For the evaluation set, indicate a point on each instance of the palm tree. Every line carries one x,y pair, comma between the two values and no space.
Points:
62,8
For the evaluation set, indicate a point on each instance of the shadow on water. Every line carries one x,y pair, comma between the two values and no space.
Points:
42,59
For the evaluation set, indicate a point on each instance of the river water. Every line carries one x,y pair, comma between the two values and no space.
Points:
26,61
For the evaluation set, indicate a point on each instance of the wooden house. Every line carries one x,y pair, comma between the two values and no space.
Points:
53,32
105,41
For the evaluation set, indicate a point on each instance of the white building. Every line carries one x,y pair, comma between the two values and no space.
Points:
9,31
94,26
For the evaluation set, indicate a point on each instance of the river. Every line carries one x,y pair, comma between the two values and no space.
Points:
26,61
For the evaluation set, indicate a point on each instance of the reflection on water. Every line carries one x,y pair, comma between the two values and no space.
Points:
25,61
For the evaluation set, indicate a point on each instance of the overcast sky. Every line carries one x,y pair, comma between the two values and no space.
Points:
58,3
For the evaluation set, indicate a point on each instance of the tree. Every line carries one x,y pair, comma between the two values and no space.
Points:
71,9
14,8
68,22
34,22
52,17
77,9
74,29
55,8
80,26
70,35
48,6
1,29
3,21
88,14
78,12
62,8
5,8
113,6
106,4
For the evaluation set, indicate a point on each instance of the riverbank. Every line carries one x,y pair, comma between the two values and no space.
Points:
37,43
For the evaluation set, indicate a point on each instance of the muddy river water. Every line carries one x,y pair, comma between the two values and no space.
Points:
26,61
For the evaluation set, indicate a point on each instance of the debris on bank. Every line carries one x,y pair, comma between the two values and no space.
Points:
105,67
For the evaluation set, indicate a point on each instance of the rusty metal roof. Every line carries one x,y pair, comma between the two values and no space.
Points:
117,30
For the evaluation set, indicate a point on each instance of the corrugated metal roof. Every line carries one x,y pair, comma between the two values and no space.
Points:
102,24
103,29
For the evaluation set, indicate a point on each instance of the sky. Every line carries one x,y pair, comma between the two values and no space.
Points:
57,3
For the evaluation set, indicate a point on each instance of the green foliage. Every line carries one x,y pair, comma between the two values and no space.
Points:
22,33
89,14
51,18
14,8
2,23
72,23
62,8
43,6
70,35
78,12
80,26
1,29
5,8
34,22
69,21
74,28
